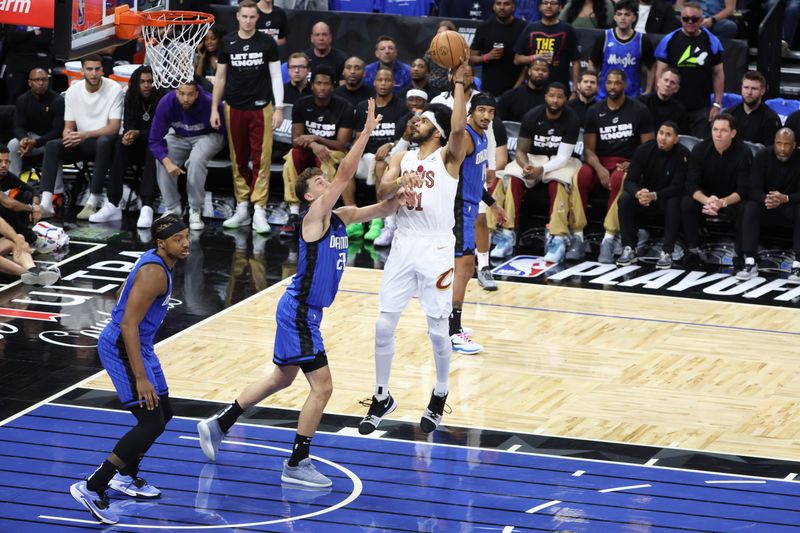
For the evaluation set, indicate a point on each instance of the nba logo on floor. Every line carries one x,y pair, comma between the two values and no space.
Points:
523,266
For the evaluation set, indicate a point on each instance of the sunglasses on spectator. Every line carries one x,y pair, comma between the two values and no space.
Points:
692,20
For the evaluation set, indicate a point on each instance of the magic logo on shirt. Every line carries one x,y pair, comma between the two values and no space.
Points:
687,58
623,61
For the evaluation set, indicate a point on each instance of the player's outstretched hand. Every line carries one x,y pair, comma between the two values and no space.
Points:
410,179
372,120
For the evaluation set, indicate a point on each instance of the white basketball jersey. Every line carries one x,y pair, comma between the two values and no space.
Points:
433,209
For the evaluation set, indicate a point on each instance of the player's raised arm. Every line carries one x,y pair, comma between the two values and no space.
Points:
456,143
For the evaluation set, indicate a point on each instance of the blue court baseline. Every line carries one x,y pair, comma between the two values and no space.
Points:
407,486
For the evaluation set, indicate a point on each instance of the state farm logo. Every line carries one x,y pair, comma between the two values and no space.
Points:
15,6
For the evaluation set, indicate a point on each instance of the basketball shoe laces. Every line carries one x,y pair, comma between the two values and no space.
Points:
377,409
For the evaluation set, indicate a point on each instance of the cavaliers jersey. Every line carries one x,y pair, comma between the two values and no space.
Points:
473,170
158,309
320,266
432,211
624,56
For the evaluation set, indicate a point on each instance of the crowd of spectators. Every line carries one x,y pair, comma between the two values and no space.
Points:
646,123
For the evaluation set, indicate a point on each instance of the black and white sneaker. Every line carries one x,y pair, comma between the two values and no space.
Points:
95,502
486,280
377,411
433,414
664,261
749,270
794,275
628,256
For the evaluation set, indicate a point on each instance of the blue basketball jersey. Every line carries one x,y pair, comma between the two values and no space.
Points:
473,170
624,56
158,309
320,266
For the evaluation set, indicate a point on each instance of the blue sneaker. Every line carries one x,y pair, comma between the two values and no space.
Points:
133,486
210,437
504,245
556,250
305,473
96,503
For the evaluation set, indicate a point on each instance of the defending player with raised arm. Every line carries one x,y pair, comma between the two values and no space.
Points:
421,258
298,343
126,351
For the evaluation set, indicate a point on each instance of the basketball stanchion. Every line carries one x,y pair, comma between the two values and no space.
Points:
170,40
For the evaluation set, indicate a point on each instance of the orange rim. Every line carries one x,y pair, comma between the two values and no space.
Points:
129,23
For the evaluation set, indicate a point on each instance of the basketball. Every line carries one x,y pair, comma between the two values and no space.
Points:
448,49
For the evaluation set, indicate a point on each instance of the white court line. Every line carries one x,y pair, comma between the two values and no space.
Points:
629,487
578,473
358,487
514,447
508,529
741,481
94,247
791,476
178,334
543,506
651,462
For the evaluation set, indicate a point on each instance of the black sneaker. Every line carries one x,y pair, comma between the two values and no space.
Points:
794,275
628,256
377,411
664,261
291,227
433,414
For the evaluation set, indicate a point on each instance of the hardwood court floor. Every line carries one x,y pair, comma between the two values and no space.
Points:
580,363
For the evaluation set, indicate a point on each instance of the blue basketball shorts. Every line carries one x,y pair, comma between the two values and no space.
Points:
464,229
114,358
298,340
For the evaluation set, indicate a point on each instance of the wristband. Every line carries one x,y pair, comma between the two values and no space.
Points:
485,58
655,195
717,105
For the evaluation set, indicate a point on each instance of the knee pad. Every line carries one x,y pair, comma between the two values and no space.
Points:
438,329
385,328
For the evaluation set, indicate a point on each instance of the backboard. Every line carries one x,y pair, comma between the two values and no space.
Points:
86,26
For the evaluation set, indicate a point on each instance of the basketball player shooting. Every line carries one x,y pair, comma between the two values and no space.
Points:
421,257
298,342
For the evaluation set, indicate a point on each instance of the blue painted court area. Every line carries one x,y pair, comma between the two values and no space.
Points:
379,485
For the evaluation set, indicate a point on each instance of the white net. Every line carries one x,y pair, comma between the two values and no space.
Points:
170,49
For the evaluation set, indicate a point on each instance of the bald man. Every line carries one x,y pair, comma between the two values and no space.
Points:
774,200
322,51
38,118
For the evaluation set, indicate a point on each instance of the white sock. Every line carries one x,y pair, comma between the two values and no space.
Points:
384,352
438,329
294,209
96,200
483,259
388,222
261,207
749,260
796,264
609,236
47,199
242,206
578,234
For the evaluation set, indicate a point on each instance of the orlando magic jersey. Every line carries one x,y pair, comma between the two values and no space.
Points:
158,309
320,266
473,170
624,56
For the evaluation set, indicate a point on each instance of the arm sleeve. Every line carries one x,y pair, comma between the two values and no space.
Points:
560,159
277,82
491,149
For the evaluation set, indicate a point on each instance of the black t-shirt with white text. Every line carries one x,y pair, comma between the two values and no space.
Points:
274,24
618,132
323,121
547,134
388,130
248,84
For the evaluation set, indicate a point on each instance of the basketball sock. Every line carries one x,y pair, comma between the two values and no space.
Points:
294,209
47,199
455,321
442,351
483,259
302,445
96,199
384,352
98,482
229,416
609,236
132,469
578,234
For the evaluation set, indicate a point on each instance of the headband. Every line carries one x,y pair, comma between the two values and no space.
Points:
482,99
417,93
432,118
169,228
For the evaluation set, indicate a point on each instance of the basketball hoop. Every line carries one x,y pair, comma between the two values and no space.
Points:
170,40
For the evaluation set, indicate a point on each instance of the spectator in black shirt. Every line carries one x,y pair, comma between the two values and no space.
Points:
515,103
207,53
653,189
272,21
716,182
419,79
662,105
774,200
24,49
22,211
586,93
322,52
322,127
141,100
38,118
755,121
354,90
656,16
297,86
493,48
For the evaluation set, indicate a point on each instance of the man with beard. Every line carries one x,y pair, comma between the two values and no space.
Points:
322,126
755,121
774,200
354,90
587,95
614,128
662,105
468,197
653,190
488,49
419,79
545,147
386,52
553,40
515,103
